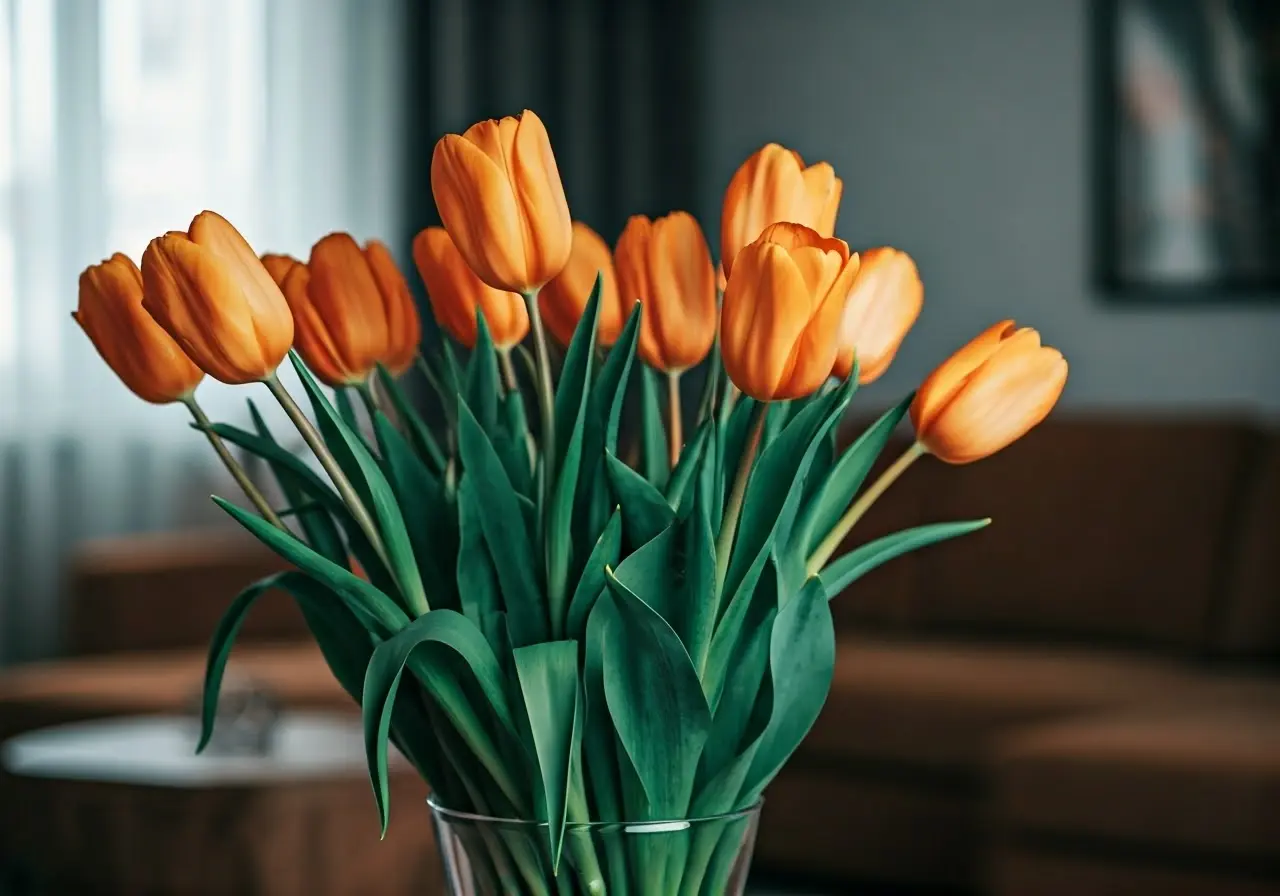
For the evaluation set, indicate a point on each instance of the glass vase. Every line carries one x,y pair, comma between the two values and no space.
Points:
485,856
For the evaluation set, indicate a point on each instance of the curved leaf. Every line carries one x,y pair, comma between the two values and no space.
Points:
282,459
477,581
845,570
574,386
607,550
645,512
680,486
653,434
424,442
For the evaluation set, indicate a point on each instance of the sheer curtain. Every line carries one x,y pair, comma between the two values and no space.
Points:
120,119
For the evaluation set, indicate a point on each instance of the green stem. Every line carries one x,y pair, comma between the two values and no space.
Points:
346,490
822,553
732,510
233,466
509,381
731,396
546,396
675,428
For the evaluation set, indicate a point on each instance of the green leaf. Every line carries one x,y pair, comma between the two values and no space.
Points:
653,435
591,584
600,747
519,465
645,512
482,390
366,477
505,532
655,700
699,584
460,635
346,410
376,611
680,486
477,581
846,478
282,459
548,676
424,442
572,398
845,570
611,387
653,573
802,657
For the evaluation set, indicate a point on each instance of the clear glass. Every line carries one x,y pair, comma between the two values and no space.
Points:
497,857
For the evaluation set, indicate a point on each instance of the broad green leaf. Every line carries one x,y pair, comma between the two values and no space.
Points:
777,417
653,573
376,611
520,465
548,676
802,657
366,477
699,584
591,584
477,582
573,388
482,378
346,410
424,441
444,629
844,571
611,387
682,484
653,434
645,512
846,478
654,699
505,532
600,747
733,436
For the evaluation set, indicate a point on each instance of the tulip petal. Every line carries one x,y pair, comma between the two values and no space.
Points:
683,306
815,350
822,191
941,385
455,292
346,298
765,310
631,263
883,306
564,299
404,327
544,212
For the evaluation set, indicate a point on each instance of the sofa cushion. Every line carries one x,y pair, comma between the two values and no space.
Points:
1247,619
1103,529
1201,780
943,706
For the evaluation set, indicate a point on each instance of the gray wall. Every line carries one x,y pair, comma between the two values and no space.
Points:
960,128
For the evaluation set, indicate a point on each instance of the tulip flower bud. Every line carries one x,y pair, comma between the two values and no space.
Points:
210,292
774,185
456,292
988,394
782,311
881,309
564,299
499,195
665,264
142,354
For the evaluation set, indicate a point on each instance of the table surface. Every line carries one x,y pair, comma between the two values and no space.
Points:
160,751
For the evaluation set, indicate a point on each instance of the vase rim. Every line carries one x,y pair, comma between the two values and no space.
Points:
637,827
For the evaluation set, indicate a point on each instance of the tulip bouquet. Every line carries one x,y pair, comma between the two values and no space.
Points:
548,632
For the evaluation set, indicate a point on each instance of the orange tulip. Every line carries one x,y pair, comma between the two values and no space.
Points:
456,292
563,300
209,290
988,394
142,354
774,185
782,310
665,264
882,307
499,195
352,309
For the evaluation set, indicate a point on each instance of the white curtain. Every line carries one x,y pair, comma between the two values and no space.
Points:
119,120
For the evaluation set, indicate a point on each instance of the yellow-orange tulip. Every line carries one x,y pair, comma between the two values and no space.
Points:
142,354
882,307
774,185
563,300
456,292
210,291
782,311
499,195
352,309
665,264
988,394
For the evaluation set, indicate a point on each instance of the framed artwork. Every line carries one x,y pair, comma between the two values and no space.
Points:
1186,135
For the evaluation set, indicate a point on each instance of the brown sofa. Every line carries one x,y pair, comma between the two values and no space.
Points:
1083,698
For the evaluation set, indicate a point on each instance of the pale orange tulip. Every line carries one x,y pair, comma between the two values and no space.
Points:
882,307
988,394
665,264
563,300
498,192
782,310
774,185
143,355
456,292
210,292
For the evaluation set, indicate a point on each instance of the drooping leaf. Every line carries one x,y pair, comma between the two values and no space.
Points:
645,512
424,441
548,677
505,532
654,699
592,583
281,458
844,571
653,434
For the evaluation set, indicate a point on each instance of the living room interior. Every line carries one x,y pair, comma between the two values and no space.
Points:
1083,698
